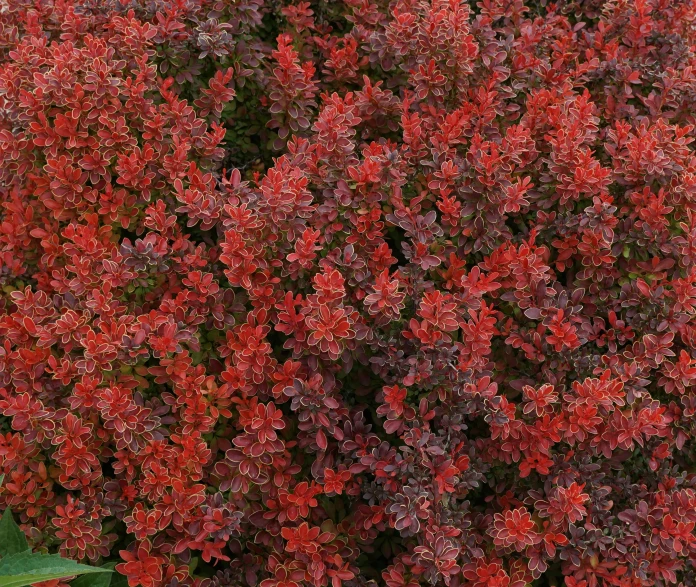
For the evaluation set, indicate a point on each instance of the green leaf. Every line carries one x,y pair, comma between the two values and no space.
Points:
95,580
117,579
27,568
12,539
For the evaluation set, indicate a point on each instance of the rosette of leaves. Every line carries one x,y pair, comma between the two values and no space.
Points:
19,566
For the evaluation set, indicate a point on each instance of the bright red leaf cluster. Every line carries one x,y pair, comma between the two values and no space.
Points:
351,293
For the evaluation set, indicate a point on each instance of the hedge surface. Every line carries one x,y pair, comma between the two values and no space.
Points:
350,293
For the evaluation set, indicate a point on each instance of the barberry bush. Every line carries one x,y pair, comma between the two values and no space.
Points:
351,292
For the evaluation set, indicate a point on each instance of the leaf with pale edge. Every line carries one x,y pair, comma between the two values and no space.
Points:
27,568
12,539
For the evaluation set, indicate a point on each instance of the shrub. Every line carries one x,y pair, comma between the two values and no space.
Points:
352,292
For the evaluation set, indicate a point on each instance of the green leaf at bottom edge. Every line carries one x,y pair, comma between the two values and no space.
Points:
93,579
12,539
27,568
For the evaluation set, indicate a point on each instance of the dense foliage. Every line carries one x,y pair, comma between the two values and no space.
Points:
351,292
